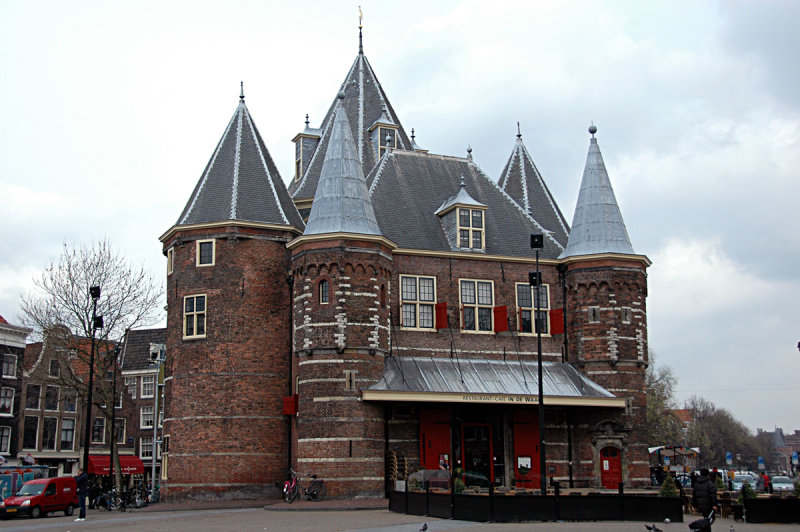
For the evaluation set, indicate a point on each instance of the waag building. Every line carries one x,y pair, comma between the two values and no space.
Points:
378,316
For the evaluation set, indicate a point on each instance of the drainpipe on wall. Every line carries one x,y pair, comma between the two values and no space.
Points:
289,421
562,275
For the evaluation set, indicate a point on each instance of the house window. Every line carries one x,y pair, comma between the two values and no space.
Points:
67,434
10,366
205,253
118,400
477,302
527,299
146,417
55,368
6,401
30,432
148,386
194,316
32,396
130,384
70,400
470,228
119,430
99,430
51,398
170,260
146,447
49,433
5,440
417,301
324,290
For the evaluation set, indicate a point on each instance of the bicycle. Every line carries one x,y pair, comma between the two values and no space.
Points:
315,491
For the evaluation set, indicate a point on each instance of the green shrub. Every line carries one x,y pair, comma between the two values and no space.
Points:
668,488
458,485
747,492
797,487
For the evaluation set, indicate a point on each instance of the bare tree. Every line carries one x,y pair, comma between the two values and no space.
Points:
663,425
60,310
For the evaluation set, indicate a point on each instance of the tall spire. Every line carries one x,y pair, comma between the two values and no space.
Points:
342,203
597,226
360,40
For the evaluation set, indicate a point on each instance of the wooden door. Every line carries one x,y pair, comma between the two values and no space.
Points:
610,467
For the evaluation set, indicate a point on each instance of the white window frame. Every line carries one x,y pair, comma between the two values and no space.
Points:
417,302
103,441
213,253
149,380
132,384
476,305
471,230
3,392
194,315
142,441
170,260
142,416
61,440
13,357
544,308
5,435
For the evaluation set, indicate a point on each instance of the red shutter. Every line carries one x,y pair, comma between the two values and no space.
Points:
557,321
290,405
441,315
500,319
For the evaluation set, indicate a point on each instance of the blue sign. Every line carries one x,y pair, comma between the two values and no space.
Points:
761,463
794,458
729,458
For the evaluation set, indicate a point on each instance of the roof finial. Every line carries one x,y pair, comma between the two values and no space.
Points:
592,129
360,41
469,152
412,135
462,185
519,133
241,94
306,119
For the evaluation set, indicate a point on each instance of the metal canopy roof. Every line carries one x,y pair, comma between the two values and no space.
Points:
432,379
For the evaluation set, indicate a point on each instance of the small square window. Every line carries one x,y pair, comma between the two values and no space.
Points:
10,366
55,368
205,253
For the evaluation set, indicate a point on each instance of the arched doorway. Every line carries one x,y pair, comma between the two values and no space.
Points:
610,467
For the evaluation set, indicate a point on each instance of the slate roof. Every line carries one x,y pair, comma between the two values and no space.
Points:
428,374
136,348
364,104
241,182
341,203
597,226
522,181
407,189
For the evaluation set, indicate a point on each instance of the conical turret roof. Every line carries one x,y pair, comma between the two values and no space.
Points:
241,182
597,226
522,181
342,202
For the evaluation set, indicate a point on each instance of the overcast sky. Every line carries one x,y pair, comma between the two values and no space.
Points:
109,112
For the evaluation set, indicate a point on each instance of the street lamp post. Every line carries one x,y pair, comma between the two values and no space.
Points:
537,243
113,416
97,323
159,359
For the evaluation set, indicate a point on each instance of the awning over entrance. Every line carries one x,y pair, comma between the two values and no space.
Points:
101,465
448,380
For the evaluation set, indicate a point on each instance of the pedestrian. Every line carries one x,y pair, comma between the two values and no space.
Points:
704,495
82,480
767,484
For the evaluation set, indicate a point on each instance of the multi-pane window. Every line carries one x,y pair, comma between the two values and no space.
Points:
528,298
10,366
387,138
49,433
194,316
32,396
67,434
417,301
146,447
131,384
148,386
205,253
99,430
324,289
70,400
30,432
51,398
470,228
146,417
55,368
5,440
477,302
6,401
119,430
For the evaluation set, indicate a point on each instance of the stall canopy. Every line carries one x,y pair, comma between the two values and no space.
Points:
101,465
674,450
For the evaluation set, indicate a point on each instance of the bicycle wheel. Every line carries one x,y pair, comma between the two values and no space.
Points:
317,490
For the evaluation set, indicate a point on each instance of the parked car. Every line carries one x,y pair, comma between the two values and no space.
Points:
782,483
41,496
740,479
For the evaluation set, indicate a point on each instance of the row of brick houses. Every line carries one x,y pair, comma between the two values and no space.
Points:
381,307
42,414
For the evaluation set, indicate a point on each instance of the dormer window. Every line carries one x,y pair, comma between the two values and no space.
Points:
387,139
470,228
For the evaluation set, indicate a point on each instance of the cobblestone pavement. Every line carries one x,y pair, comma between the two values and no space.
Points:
333,516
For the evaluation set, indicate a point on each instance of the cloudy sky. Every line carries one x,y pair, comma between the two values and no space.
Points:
109,112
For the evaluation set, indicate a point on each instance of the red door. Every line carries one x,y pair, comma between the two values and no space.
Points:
610,467
434,439
526,449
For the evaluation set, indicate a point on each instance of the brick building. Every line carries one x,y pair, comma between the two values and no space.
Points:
381,306
12,349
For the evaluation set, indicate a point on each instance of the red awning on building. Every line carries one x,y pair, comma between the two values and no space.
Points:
101,465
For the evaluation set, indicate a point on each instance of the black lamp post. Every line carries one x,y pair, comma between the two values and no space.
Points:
97,323
537,243
113,415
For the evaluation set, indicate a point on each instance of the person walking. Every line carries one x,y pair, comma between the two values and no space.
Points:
82,480
704,495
